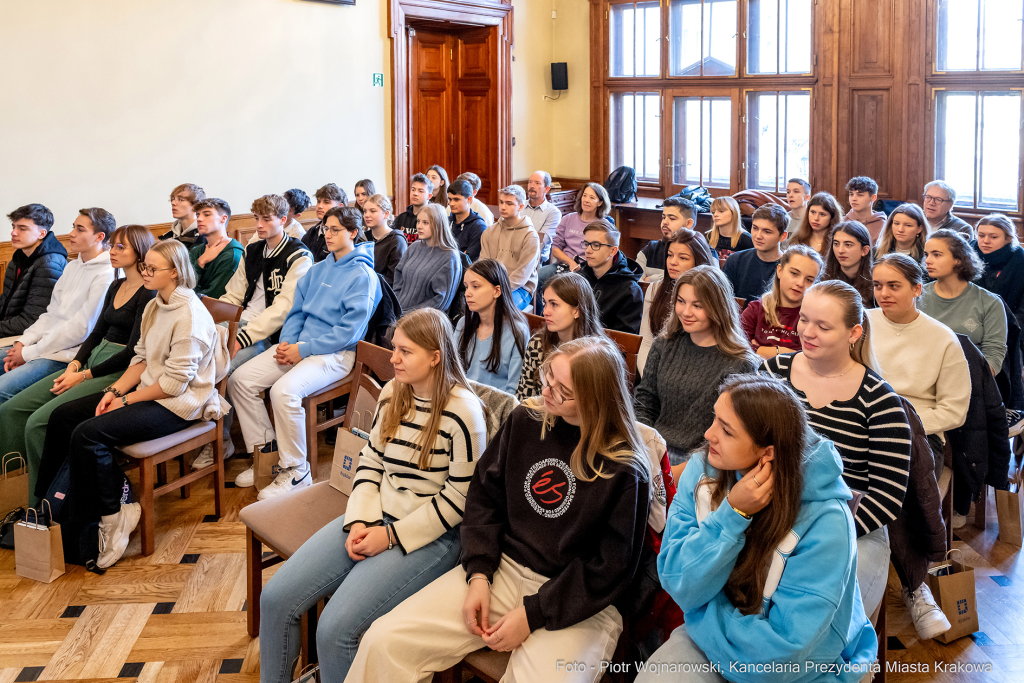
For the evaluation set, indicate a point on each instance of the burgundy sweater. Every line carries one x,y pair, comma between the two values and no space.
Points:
760,333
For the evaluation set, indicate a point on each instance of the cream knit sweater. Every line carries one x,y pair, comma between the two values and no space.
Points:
185,353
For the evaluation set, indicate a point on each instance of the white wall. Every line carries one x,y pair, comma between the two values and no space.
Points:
114,102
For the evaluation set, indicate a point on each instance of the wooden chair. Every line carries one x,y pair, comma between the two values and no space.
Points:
742,303
284,523
536,322
644,286
629,344
148,455
946,491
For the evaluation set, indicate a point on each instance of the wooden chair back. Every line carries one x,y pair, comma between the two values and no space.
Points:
741,303
371,362
536,322
644,286
222,311
629,344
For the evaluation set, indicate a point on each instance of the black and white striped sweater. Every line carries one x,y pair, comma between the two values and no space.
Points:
428,502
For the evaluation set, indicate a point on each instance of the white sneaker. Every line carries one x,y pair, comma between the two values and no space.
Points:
205,457
115,530
959,521
246,479
928,618
288,480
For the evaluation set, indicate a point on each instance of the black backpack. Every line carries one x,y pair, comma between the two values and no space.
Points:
697,194
621,185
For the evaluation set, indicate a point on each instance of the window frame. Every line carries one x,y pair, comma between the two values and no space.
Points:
607,154
744,150
668,123
932,47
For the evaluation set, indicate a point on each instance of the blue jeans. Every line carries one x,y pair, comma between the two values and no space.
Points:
873,567
522,298
680,650
363,591
25,376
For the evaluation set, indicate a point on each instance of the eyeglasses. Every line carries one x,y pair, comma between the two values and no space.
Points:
147,270
334,231
595,245
930,199
118,247
557,394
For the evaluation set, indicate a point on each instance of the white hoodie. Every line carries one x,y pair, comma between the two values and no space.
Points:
73,311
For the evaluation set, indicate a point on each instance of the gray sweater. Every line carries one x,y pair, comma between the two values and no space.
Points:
680,386
426,277
977,313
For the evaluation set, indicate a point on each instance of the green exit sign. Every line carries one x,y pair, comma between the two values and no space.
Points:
378,80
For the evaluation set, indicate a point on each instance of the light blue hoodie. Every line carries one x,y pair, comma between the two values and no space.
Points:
812,626
333,304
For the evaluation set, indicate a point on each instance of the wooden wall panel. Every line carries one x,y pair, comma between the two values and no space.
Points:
873,25
870,129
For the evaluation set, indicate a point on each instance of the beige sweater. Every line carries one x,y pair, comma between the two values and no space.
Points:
515,244
185,353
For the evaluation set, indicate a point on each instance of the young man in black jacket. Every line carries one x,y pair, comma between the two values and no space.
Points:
38,261
613,278
327,197
420,191
467,225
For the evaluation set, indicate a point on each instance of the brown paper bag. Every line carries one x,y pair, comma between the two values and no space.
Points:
265,467
351,442
38,549
952,584
1008,509
13,483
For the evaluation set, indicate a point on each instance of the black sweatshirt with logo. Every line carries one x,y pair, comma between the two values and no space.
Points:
585,536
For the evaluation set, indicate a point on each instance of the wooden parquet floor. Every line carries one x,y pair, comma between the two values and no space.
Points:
178,616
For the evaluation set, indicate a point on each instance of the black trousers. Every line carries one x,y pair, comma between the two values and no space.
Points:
89,443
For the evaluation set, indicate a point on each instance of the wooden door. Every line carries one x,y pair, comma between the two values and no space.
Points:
454,109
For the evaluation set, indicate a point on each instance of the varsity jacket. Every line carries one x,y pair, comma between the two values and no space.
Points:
280,270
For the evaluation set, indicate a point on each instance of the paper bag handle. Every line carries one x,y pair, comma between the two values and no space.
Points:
6,459
949,552
36,512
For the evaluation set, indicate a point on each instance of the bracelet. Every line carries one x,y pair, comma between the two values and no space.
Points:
391,542
478,576
78,366
113,391
742,514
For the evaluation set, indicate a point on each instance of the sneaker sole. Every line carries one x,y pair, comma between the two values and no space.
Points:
135,510
934,631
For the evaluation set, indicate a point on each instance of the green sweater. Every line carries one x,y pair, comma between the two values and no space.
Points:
213,279
977,313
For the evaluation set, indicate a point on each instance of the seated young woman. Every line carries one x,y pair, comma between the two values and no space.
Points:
701,345
905,232
428,274
822,213
759,550
570,312
727,234
101,359
769,323
848,402
170,384
400,530
1000,251
686,249
923,362
492,333
388,245
955,301
554,527
849,260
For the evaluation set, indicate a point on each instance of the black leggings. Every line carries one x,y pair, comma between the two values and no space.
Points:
90,442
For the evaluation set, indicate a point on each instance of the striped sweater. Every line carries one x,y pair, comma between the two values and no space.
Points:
872,435
429,502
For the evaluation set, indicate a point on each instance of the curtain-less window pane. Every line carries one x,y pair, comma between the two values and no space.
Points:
778,138
635,133
779,36
702,37
981,35
702,141
634,39
977,147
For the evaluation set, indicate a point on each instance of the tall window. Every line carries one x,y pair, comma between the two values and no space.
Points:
702,141
977,147
779,36
778,138
635,138
980,35
635,39
702,38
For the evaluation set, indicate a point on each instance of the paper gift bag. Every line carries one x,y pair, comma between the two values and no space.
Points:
266,467
952,585
38,548
351,441
1008,509
13,483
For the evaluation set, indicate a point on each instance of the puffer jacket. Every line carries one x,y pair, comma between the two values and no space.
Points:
25,298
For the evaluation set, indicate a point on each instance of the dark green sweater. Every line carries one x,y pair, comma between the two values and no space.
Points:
213,279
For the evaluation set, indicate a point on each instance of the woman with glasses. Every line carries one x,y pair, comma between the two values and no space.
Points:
101,359
702,344
170,384
552,534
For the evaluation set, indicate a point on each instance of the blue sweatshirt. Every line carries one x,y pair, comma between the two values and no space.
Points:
507,377
812,617
333,304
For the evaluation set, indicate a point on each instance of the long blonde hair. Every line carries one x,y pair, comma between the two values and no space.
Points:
384,204
441,232
737,227
886,241
608,429
852,304
770,300
429,329
176,255
714,292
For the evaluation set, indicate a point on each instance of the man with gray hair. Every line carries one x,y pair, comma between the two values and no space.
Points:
513,242
544,215
939,198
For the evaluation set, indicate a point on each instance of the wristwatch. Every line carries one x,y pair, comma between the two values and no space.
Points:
124,400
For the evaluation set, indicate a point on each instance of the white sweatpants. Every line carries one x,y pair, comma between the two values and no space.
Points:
426,633
288,385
